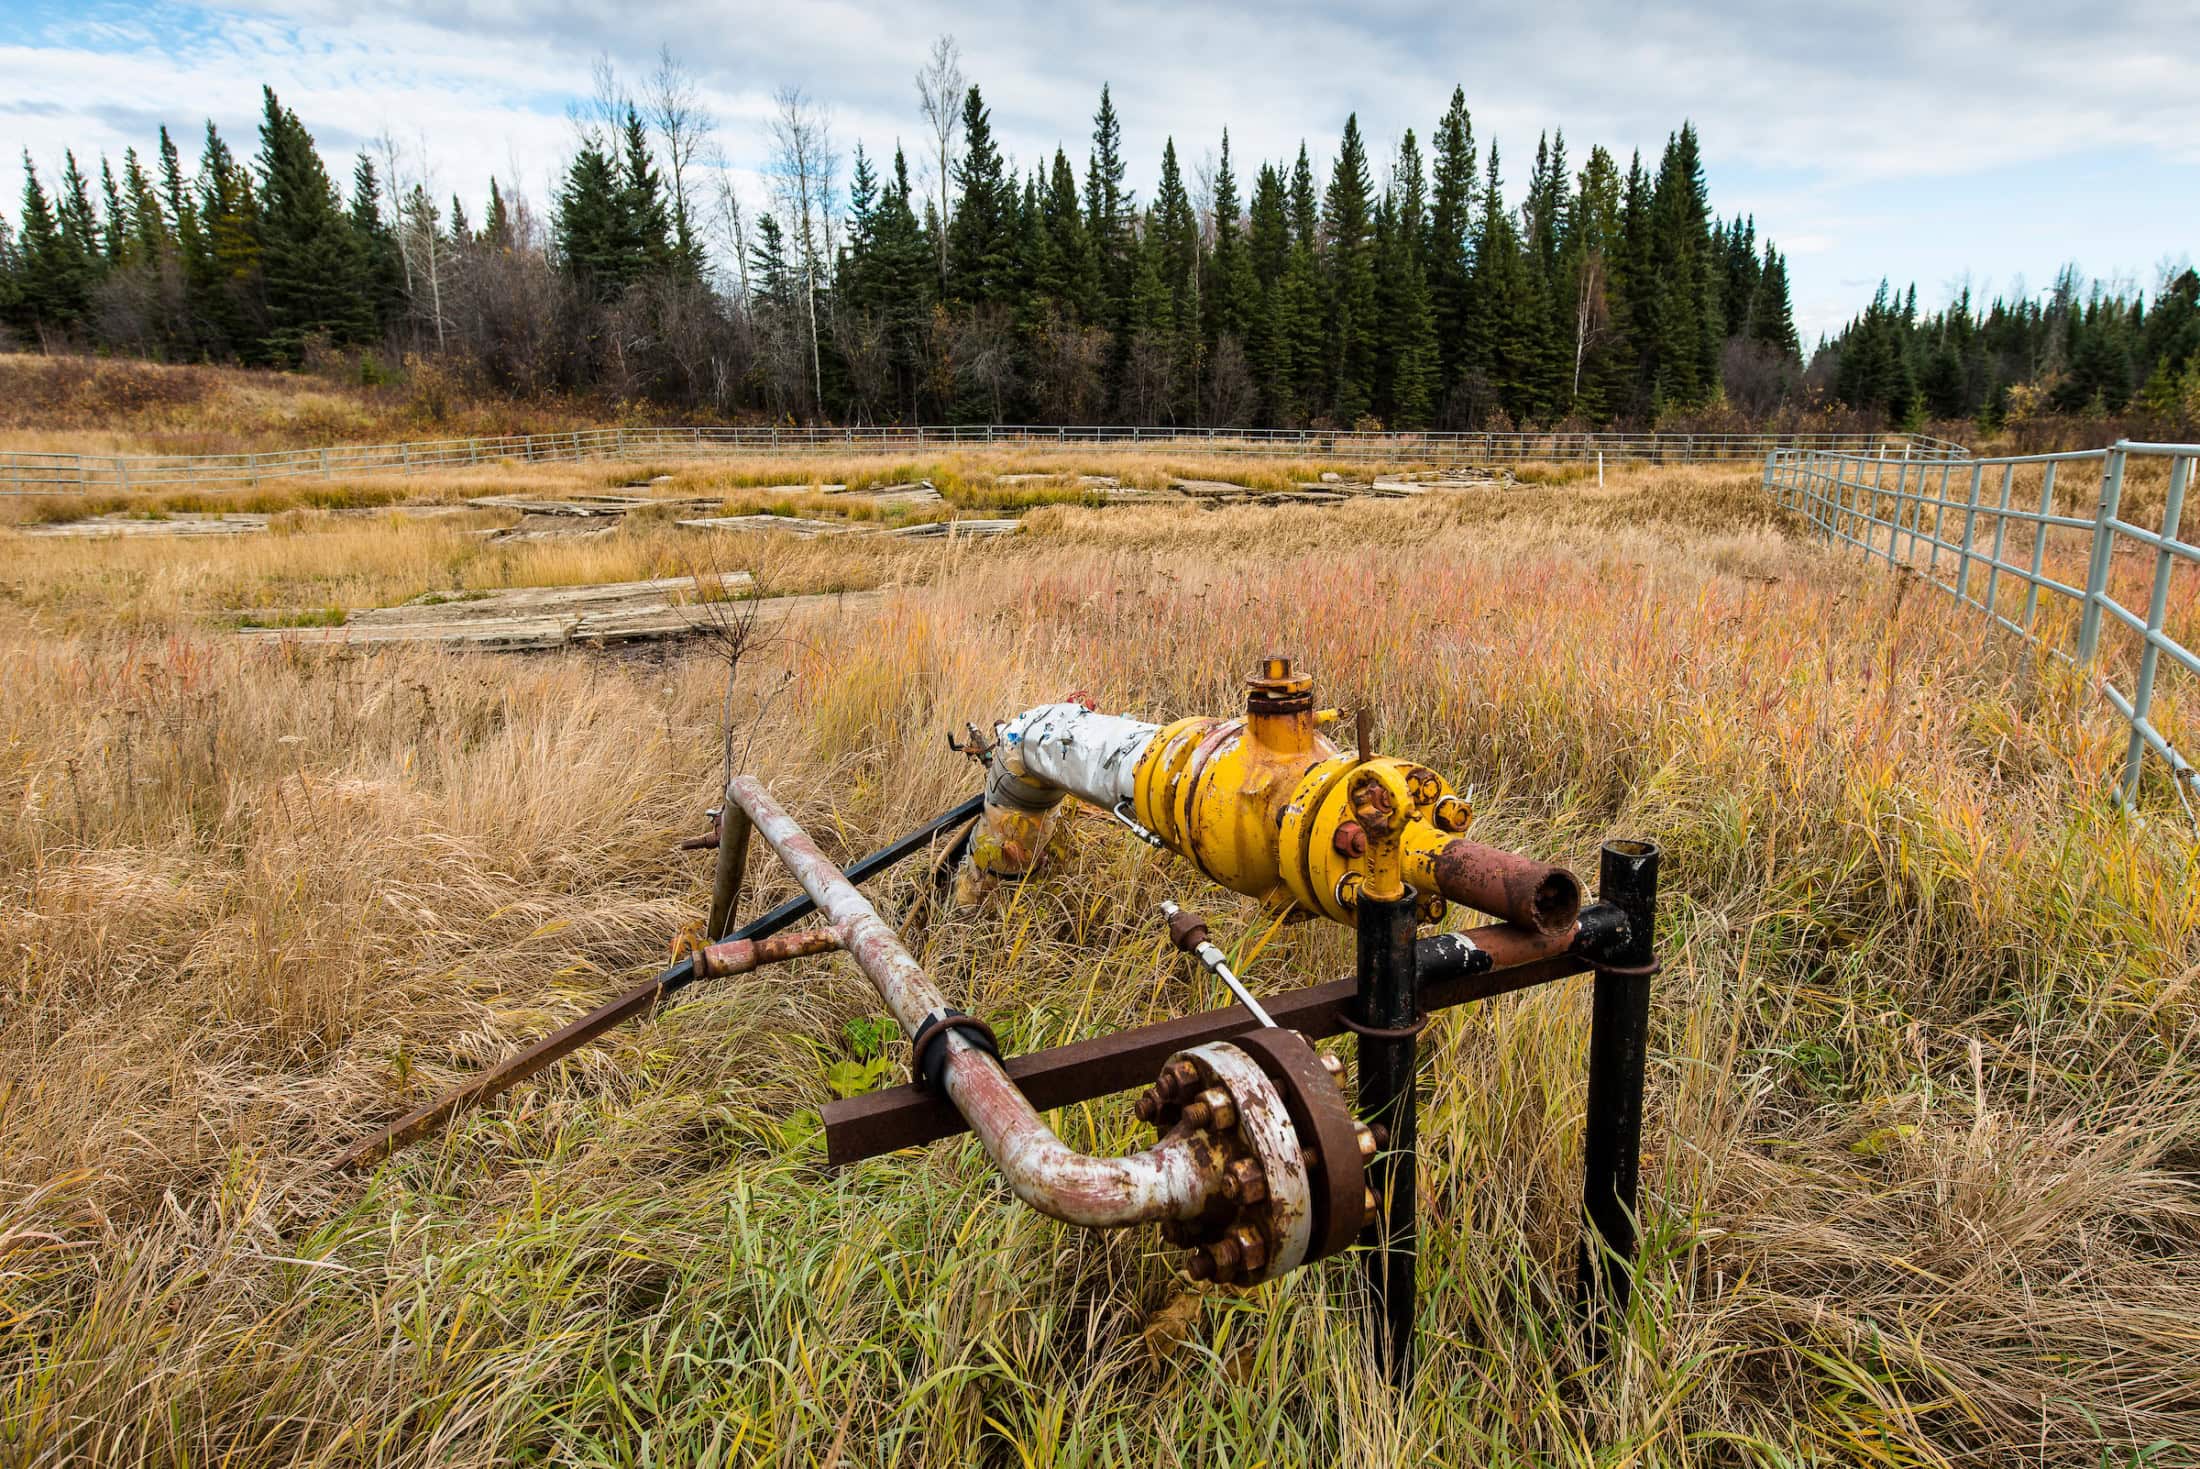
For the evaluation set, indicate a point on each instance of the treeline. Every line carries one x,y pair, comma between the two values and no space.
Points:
1403,290
2086,351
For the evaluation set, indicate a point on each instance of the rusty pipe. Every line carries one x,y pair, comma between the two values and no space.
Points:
1507,885
1174,1179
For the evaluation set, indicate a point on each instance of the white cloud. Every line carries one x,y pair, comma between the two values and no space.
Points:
1812,109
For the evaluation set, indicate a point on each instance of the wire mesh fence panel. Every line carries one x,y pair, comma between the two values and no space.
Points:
2088,556
41,474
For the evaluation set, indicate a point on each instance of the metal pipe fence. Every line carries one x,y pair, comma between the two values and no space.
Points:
2010,532
47,474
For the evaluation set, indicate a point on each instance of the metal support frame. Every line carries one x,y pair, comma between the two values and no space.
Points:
1389,1021
1619,1043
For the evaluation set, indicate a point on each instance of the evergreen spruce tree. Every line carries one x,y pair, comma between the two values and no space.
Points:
1229,274
1772,317
1686,322
1352,317
1108,216
309,261
641,217
81,246
981,240
1406,358
1267,254
114,225
590,227
1451,221
381,269
54,287
229,295
907,277
1064,278
1172,244
496,230
149,237
1303,297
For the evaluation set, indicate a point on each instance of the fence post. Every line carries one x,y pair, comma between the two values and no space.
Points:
2104,545
1970,523
122,474
2165,563
324,464
2001,535
1871,529
2039,544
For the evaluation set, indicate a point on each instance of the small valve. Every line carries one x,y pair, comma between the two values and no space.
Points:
977,746
1189,933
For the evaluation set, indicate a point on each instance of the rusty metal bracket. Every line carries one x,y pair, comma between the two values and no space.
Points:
1456,969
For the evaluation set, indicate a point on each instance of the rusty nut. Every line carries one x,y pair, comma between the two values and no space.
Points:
1332,1064
1223,1257
1366,1138
1150,1105
1349,839
1348,890
1371,1206
1197,1264
1244,1183
1177,1078
1252,1249
1451,814
1221,1110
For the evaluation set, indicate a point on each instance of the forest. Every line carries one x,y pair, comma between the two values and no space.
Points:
1401,291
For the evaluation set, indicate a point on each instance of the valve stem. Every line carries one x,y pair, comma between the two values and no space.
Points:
1190,935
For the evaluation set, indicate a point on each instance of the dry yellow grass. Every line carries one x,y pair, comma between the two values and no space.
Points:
1921,1176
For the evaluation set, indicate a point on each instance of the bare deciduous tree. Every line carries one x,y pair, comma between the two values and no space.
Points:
803,165
683,126
940,87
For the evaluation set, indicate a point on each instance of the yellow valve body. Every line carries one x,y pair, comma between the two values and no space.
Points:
1257,804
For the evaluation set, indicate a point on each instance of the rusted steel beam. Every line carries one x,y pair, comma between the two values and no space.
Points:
734,956
1455,970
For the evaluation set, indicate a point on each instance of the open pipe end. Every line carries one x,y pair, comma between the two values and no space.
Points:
1507,885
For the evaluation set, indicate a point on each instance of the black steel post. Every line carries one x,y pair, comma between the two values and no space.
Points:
1389,1019
1619,1028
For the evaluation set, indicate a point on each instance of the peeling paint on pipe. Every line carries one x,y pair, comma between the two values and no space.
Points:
1174,1179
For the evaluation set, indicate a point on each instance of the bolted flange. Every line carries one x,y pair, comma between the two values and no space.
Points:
1259,1224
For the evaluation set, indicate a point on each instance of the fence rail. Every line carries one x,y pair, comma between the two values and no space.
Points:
2016,533
46,474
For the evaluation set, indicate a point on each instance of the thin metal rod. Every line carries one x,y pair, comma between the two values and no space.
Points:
1611,1151
1389,995
1218,964
636,1001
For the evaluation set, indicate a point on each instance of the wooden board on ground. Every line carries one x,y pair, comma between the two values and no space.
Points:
139,528
529,619
775,525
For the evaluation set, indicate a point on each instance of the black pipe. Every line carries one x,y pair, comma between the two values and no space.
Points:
1389,1006
1619,1034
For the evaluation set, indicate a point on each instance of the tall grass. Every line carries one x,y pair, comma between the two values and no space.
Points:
1918,1181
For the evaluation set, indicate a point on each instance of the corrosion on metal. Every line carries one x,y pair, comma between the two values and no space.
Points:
1455,969
1172,1180
1337,1145
735,956
1259,1223
1509,886
636,1001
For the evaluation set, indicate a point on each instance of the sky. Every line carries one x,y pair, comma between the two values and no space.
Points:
1926,142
